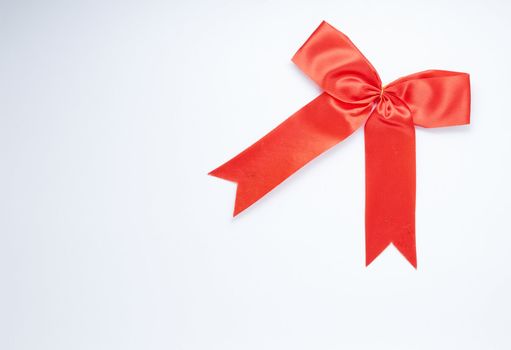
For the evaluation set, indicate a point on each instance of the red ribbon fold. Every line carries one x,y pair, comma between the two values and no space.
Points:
353,95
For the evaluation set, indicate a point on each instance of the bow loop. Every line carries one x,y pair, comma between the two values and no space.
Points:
330,59
435,98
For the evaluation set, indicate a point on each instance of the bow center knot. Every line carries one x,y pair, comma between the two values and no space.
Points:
390,106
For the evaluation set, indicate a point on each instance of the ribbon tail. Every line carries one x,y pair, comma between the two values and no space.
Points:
312,130
390,187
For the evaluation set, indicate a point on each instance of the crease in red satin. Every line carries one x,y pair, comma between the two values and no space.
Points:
353,95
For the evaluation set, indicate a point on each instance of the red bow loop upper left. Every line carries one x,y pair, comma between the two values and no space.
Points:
330,59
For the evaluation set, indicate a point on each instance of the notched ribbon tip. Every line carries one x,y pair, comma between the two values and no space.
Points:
243,199
409,253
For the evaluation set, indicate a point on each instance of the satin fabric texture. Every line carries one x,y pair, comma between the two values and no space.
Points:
352,97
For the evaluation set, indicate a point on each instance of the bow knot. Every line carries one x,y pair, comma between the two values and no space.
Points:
391,107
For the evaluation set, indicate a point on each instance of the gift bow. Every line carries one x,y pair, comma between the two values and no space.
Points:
353,95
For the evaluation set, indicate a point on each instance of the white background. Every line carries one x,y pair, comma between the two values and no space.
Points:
113,237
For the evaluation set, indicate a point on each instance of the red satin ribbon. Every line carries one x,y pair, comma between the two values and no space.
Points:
353,95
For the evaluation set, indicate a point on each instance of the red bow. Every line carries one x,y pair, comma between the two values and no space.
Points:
353,95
